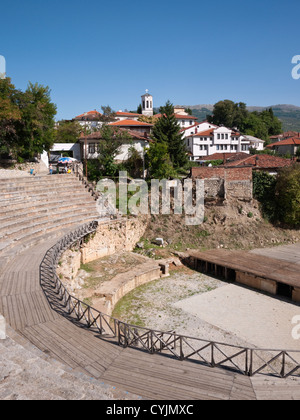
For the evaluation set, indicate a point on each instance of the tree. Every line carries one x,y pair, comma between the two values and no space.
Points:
167,130
134,163
37,113
108,115
258,124
148,119
67,132
229,114
159,162
254,126
288,196
10,118
109,147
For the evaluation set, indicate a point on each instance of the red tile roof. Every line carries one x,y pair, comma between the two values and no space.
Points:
89,114
205,133
287,142
131,123
262,161
286,135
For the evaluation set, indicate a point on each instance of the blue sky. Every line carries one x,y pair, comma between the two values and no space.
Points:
196,52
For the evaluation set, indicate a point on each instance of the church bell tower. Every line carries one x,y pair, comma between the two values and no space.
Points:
147,104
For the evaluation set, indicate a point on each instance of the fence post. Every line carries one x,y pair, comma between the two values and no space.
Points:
181,348
282,373
213,364
250,370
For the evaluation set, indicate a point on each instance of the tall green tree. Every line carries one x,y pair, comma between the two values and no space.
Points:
288,196
67,132
258,124
158,161
167,130
109,147
37,113
10,118
108,114
229,114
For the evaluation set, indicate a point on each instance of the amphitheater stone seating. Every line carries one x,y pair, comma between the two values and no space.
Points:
32,209
45,355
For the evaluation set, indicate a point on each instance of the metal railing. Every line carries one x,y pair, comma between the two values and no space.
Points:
77,169
247,361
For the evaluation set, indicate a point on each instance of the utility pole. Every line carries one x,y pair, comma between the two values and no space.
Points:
86,151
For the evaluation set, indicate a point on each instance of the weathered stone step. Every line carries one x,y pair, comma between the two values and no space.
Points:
14,247
9,218
35,192
21,202
48,221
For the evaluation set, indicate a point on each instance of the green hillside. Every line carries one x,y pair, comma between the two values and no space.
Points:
289,115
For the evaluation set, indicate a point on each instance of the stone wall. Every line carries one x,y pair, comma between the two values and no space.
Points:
225,183
113,236
110,237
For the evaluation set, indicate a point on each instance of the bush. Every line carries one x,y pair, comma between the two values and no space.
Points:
288,196
264,186
279,196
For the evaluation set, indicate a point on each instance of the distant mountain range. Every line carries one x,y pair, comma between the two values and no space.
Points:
289,115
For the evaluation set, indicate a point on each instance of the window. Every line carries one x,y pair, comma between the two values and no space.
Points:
219,136
92,148
226,136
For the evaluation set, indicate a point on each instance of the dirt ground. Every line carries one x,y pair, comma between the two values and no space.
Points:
95,273
197,305
234,225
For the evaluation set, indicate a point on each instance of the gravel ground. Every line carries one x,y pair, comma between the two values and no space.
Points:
201,306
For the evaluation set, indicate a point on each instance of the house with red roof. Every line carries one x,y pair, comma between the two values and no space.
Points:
138,126
286,146
214,140
121,116
89,145
89,120
283,136
261,162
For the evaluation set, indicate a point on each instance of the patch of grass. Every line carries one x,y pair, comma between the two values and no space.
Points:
87,268
92,282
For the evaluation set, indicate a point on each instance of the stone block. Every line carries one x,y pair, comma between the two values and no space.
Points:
2,328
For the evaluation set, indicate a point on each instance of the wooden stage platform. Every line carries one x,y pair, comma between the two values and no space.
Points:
266,273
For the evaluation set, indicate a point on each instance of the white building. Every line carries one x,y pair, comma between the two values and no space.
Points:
121,116
215,140
197,128
89,145
89,120
59,149
255,143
